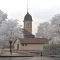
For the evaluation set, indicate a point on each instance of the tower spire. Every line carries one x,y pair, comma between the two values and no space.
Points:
27,8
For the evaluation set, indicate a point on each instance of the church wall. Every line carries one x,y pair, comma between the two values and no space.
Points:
32,47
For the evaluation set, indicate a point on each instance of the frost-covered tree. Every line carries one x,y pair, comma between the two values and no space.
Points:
56,20
55,29
55,40
43,30
10,30
3,16
51,49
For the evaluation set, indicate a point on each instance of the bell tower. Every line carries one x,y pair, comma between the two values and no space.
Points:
28,22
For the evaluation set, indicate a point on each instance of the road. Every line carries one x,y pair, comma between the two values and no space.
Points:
29,58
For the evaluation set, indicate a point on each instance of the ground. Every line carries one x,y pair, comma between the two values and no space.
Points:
35,57
29,58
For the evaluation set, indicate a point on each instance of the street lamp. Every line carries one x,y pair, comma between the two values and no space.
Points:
10,41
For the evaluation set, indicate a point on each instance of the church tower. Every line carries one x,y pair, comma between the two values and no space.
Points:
28,22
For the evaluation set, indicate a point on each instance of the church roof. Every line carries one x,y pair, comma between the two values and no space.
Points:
27,34
34,40
28,17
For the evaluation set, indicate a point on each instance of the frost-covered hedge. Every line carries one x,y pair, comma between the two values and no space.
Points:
51,49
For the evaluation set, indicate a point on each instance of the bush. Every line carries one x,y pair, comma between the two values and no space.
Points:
51,49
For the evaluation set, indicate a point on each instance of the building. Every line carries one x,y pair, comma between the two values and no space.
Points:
29,42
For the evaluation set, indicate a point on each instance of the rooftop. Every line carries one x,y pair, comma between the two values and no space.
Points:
34,40
28,17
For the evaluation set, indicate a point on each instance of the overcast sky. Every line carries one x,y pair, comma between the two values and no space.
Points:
40,10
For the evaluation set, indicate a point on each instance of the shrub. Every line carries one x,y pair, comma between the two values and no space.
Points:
51,49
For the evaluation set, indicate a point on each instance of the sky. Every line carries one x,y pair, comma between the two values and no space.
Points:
40,10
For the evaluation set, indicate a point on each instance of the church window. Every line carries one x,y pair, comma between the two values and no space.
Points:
25,44
22,44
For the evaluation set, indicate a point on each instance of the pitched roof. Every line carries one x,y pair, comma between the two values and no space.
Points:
34,40
27,34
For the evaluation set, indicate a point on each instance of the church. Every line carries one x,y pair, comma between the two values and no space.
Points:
28,26
29,42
